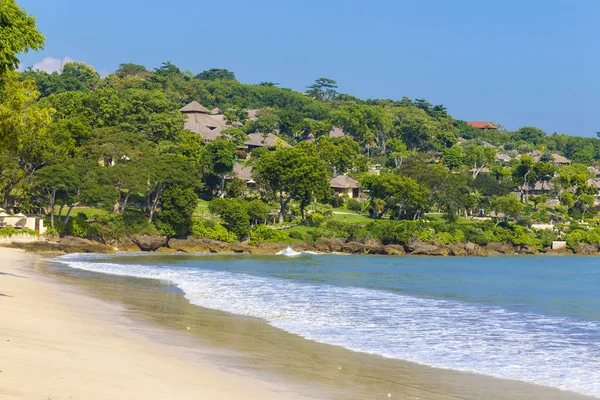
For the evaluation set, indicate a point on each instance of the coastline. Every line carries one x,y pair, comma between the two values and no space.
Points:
250,348
60,344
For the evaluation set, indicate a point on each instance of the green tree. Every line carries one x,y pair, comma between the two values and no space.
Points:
214,74
257,211
479,157
50,181
128,69
177,210
18,34
453,157
294,173
219,157
509,205
399,193
586,201
78,76
529,134
322,89
234,212
341,154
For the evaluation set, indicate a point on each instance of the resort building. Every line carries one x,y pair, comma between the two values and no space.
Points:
553,158
344,185
264,140
201,121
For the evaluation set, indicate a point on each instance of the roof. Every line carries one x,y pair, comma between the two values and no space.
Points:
337,132
539,186
503,157
209,127
215,111
194,107
594,182
593,170
253,113
259,140
343,182
556,158
482,125
243,173
484,169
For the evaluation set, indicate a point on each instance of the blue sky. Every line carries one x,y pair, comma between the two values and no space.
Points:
526,62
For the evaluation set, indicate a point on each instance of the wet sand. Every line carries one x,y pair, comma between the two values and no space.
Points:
250,349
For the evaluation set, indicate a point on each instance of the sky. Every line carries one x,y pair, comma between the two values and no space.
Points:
512,62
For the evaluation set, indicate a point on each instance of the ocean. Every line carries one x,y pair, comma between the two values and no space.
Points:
532,319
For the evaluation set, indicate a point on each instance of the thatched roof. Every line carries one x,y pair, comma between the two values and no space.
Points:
337,132
194,107
253,113
259,140
556,158
209,127
538,187
215,111
594,182
343,182
503,157
243,173
593,170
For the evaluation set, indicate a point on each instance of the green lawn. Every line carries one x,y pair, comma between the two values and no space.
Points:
349,216
202,209
89,211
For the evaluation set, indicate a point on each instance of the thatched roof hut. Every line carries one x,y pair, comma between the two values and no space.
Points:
262,140
343,182
200,121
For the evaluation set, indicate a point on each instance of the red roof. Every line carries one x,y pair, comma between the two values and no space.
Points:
482,125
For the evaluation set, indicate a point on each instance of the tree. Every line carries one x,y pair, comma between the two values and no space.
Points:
453,157
219,157
294,173
234,212
177,210
78,76
18,34
214,74
398,151
128,69
50,180
341,154
586,201
479,157
257,211
509,205
529,134
364,123
322,89
399,193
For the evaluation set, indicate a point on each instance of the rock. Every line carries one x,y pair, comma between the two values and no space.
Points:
127,245
165,250
470,248
457,250
394,250
67,244
586,249
501,248
150,242
528,250
418,247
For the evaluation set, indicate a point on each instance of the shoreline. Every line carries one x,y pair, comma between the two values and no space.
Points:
269,352
57,343
159,244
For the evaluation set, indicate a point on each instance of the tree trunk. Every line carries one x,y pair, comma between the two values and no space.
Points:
155,202
222,185
52,203
125,203
283,204
6,201
68,216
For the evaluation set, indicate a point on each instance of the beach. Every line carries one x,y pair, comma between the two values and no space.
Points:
93,336
57,345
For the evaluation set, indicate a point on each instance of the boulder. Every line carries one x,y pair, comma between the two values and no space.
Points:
128,245
67,245
586,249
150,242
457,250
501,248
394,250
418,247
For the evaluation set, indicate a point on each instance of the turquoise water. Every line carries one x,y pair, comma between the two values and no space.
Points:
535,319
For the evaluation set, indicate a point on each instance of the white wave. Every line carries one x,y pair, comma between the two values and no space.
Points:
289,252
552,351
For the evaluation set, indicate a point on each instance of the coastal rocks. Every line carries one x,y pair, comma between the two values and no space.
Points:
418,247
528,250
150,242
66,245
586,249
501,248
394,250
127,245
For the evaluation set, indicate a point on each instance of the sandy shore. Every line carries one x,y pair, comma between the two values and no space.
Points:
55,345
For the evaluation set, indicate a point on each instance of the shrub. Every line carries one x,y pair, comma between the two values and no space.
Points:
315,219
394,232
9,231
264,234
576,238
204,229
546,237
177,209
354,205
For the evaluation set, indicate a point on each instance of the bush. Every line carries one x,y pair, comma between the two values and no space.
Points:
204,229
177,209
315,219
394,232
354,205
546,237
264,234
8,232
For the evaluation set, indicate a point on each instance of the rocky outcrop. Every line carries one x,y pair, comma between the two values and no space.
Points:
127,245
586,249
500,248
418,247
150,242
67,245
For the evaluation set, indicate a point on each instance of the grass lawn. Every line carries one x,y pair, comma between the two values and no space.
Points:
349,216
202,209
439,217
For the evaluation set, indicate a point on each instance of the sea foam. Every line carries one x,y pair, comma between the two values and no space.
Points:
553,351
